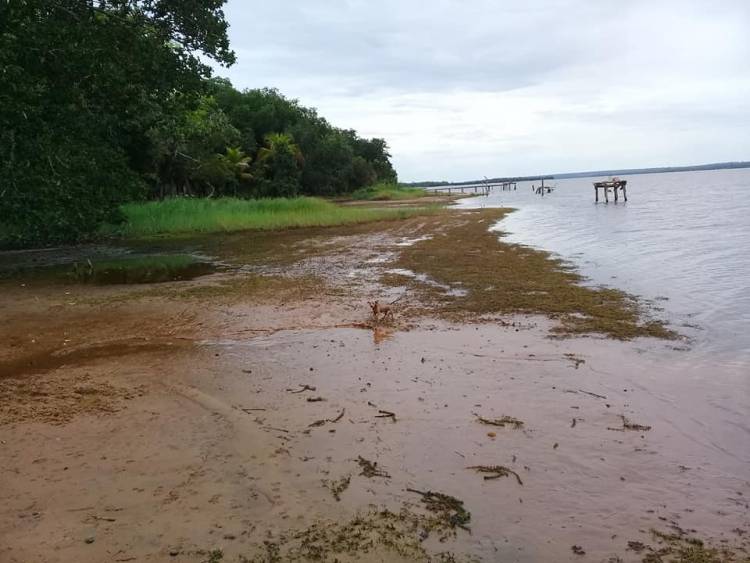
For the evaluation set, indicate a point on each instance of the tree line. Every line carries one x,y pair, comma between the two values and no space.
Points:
108,101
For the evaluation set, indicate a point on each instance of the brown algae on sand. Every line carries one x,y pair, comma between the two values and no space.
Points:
495,472
378,535
447,509
502,422
681,548
370,469
337,486
500,278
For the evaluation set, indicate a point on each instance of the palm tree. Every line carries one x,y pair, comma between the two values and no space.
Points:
239,162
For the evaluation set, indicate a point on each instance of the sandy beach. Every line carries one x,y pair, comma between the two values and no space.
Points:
261,414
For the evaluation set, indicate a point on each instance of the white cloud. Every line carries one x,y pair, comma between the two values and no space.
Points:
463,89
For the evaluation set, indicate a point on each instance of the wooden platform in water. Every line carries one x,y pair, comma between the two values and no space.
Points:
616,185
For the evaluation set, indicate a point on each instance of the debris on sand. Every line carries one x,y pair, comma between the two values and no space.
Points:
577,549
386,414
303,388
284,430
315,399
339,417
503,421
370,468
448,509
495,472
322,421
337,487
249,410
575,360
627,425
597,395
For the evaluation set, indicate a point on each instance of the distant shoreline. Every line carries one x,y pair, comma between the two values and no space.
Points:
593,174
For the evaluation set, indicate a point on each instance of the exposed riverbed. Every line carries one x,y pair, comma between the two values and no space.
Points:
229,412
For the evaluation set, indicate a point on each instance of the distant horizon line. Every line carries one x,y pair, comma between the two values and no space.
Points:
728,165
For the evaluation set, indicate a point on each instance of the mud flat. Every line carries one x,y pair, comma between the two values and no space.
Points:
259,413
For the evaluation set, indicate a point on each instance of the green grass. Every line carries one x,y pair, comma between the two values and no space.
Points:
387,192
186,215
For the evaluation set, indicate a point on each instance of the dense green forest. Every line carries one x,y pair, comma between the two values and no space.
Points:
106,102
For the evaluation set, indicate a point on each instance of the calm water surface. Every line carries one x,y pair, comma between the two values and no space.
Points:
682,240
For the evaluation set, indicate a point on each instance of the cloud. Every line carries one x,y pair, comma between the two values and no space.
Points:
462,89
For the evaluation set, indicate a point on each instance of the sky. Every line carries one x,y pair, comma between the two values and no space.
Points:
463,89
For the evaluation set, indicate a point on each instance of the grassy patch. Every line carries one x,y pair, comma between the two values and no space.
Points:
387,192
497,277
186,215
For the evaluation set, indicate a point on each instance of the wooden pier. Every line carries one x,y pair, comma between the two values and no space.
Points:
615,184
483,188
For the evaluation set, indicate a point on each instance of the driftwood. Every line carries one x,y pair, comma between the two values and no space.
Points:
276,429
322,421
593,394
303,389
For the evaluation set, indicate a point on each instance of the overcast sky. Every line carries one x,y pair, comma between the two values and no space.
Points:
462,89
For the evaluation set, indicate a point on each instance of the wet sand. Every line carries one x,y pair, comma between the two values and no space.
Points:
152,426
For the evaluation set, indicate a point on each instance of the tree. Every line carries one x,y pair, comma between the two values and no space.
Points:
328,165
278,167
362,173
81,84
187,152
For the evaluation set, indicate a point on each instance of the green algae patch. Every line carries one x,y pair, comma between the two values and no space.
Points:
490,276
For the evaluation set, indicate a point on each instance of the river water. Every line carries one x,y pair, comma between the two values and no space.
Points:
682,241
